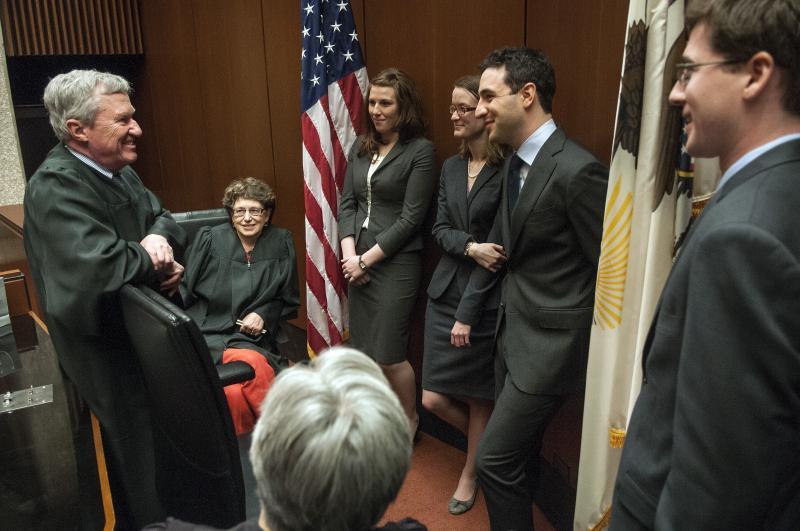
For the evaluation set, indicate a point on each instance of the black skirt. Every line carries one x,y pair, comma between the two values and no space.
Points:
380,310
461,372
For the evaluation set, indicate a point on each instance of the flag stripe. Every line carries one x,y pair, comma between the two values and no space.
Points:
332,94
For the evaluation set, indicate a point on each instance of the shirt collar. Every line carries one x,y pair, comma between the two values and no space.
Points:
752,155
92,164
530,148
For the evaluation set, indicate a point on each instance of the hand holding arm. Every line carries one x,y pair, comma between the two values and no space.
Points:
489,256
171,279
159,250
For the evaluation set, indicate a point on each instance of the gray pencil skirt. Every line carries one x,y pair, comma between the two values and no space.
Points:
380,310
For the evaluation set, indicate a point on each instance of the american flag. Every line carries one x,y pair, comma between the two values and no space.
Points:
333,84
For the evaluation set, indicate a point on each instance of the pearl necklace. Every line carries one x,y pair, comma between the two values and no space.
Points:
469,168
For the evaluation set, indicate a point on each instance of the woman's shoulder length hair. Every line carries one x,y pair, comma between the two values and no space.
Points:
410,120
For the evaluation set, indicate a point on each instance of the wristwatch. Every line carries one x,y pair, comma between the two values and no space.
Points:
361,263
467,247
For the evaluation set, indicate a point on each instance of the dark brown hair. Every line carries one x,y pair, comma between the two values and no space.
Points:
410,122
525,65
495,153
741,28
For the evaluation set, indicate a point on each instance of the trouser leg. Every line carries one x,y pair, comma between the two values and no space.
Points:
513,437
244,399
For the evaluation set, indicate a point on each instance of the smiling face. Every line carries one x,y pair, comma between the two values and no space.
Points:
383,110
248,226
501,109
111,140
466,126
710,100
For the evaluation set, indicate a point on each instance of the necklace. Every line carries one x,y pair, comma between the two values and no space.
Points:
470,174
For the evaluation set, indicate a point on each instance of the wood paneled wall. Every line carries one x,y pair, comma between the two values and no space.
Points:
218,97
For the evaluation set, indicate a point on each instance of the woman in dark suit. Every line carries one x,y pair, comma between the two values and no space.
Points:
387,191
457,370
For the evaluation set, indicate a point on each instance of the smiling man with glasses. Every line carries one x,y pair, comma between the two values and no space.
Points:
714,438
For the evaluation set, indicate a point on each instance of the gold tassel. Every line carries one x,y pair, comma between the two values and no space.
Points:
616,437
604,521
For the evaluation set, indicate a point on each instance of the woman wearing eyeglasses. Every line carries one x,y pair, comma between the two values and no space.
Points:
458,366
388,187
240,282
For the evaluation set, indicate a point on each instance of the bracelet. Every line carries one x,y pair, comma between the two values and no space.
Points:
467,247
362,264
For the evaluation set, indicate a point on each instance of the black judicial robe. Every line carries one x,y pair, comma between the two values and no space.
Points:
81,237
220,286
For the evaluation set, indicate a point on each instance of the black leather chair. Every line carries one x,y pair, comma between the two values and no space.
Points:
198,470
194,220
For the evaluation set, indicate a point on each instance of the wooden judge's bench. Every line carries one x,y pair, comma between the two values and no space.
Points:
51,476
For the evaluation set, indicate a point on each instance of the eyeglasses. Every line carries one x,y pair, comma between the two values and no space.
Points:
461,110
254,212
684,71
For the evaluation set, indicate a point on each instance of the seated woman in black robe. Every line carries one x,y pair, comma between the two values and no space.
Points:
240,282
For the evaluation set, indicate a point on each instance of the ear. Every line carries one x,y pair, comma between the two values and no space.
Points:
528,93
77,130
763,73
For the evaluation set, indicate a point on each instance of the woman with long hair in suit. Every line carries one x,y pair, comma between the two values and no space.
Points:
388,188
457,371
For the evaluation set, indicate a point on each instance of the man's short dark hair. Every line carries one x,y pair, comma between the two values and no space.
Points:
525,65
741,28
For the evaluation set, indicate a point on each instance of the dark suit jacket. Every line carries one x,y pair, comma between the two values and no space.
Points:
714,439
402,189
461,218
552,241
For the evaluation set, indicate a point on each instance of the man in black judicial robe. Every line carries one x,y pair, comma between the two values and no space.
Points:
90,227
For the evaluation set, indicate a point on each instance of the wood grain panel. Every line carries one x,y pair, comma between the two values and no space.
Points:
587,59
282,44
174,157
402,38
465,32
70,27
232,77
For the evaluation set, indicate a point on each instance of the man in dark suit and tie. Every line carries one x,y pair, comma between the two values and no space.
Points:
549,224
714,439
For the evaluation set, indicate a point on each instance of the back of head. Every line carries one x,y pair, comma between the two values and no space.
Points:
741,28
332,447
525,65
73,96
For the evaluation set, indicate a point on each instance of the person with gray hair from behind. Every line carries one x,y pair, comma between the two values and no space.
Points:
330,450
91,226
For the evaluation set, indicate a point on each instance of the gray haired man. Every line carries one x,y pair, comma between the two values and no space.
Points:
90,227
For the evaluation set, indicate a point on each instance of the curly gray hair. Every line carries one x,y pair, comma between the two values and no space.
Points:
332,446
73,95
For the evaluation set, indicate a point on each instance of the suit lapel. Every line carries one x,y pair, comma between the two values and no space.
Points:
786,152
460,189
395,152
484,176
538,176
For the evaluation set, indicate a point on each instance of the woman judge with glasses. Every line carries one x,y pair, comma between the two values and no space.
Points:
388,188
457,370
240,282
